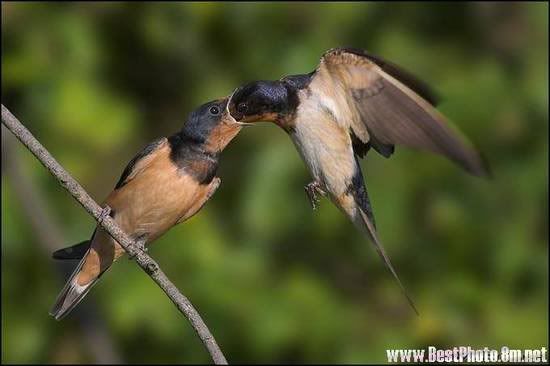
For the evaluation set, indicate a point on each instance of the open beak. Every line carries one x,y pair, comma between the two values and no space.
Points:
231,108
227,118
234,114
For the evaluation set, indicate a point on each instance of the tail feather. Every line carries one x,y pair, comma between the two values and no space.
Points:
72,293
77,251
371,231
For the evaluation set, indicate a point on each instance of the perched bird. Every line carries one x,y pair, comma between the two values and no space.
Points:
351,102
163,185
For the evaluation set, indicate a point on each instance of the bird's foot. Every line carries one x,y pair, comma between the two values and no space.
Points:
313,190
140,242
105,212
141,246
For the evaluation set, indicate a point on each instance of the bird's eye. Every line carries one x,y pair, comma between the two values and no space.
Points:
214,110
242,108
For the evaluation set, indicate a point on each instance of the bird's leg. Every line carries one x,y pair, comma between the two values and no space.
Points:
106,211
140,242
313,190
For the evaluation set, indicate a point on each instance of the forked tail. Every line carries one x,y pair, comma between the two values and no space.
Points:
368,226
72,293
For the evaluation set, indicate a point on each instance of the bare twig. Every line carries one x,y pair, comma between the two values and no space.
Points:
133,250
49,235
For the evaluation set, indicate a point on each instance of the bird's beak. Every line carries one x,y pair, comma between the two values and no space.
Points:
231,108
233,113
227,118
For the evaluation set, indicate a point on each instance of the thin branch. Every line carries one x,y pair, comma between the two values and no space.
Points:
49,235
109,225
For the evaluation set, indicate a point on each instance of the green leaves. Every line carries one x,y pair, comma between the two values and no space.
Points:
275,281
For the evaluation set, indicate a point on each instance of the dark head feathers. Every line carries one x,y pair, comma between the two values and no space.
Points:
202,120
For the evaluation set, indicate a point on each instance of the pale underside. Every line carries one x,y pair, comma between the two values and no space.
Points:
353,93
324,146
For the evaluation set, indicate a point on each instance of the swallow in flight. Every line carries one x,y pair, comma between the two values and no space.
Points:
163,185
352,102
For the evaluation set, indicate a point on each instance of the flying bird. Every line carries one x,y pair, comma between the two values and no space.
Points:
163,185
352,102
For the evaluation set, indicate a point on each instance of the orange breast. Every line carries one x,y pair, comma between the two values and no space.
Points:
151,203
156,199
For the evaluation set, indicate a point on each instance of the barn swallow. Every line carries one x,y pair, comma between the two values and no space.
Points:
351,102
163,185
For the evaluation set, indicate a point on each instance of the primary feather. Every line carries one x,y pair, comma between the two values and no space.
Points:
377,106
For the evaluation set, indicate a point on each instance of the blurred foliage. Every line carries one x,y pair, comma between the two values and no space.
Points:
275,281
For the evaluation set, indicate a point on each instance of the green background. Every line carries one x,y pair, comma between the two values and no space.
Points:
275,281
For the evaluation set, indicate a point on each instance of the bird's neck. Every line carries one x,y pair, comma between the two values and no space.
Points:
189,154
286,118
220,136
187,147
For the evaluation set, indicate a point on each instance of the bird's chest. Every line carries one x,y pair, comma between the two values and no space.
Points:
309,142
155,200
324,146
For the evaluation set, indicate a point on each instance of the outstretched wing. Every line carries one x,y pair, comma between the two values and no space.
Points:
384,105
140,161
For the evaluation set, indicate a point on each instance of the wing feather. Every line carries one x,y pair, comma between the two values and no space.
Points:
382,110
140,161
